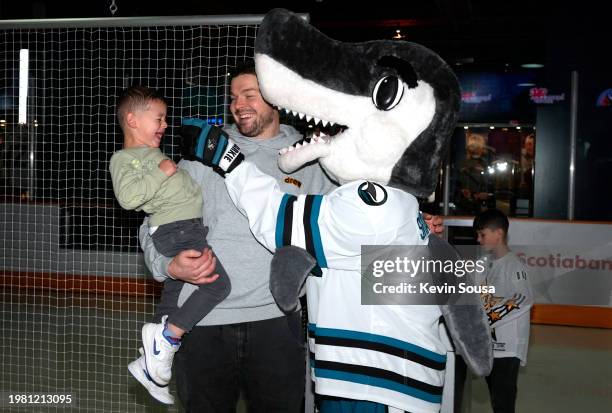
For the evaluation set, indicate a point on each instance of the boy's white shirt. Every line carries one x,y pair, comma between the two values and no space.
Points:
509,307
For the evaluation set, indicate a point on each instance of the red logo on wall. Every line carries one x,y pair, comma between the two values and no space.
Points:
540,95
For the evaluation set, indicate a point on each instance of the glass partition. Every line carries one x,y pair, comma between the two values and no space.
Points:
492,167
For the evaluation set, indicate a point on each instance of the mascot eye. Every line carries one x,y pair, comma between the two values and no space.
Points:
387,92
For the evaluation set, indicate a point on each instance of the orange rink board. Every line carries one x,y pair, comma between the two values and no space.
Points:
553,314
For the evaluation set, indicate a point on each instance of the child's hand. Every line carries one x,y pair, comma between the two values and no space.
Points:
168,167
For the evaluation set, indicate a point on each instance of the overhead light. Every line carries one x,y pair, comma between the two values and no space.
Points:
532,65
491,127
24,60
518,128
526,84
465,127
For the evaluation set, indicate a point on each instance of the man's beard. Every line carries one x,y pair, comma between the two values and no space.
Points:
256,127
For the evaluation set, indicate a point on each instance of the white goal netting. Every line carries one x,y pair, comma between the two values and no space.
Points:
73,288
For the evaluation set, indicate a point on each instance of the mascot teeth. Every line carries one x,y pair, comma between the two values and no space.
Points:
312,140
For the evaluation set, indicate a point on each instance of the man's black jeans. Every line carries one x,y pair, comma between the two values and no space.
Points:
264,359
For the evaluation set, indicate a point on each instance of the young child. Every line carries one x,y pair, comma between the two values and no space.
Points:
145,179
507,309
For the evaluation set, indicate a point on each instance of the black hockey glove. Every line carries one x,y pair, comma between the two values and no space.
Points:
209,145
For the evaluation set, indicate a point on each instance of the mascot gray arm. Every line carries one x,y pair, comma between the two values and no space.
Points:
466,322
289,269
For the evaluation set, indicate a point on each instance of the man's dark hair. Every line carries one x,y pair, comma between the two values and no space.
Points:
136,98
491,219
244,67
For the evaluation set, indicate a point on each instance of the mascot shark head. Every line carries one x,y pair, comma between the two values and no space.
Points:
396,102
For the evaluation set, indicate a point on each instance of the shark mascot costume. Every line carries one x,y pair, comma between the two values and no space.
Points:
396,104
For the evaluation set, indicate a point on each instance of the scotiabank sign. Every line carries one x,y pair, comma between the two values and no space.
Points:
560,261
569,274
567,262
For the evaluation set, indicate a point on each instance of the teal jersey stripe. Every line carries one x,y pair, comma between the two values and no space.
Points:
316,234
376,338
377,382
280,221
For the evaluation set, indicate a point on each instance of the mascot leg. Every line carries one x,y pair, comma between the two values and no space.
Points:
289,269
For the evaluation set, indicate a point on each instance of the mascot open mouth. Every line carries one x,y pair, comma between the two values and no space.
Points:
315,145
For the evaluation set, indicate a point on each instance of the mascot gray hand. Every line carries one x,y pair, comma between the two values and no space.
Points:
289,269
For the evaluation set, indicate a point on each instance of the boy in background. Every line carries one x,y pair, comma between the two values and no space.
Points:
507,308
145,179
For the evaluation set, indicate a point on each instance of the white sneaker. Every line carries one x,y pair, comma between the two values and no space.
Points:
158,352
138,368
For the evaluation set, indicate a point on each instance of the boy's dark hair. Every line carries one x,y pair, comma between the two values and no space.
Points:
244,67
136,98
491,219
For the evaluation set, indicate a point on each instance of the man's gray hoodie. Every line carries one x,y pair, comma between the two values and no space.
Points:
244,259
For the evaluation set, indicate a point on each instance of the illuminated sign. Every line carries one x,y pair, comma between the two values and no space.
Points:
473,97
496,97
540,95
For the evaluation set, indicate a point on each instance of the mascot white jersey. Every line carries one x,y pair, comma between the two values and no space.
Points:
396,105
388,354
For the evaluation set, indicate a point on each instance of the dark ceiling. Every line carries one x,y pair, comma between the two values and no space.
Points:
493,33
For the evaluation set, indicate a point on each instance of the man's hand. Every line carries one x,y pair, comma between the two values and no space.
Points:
194,267
209,145
435,223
